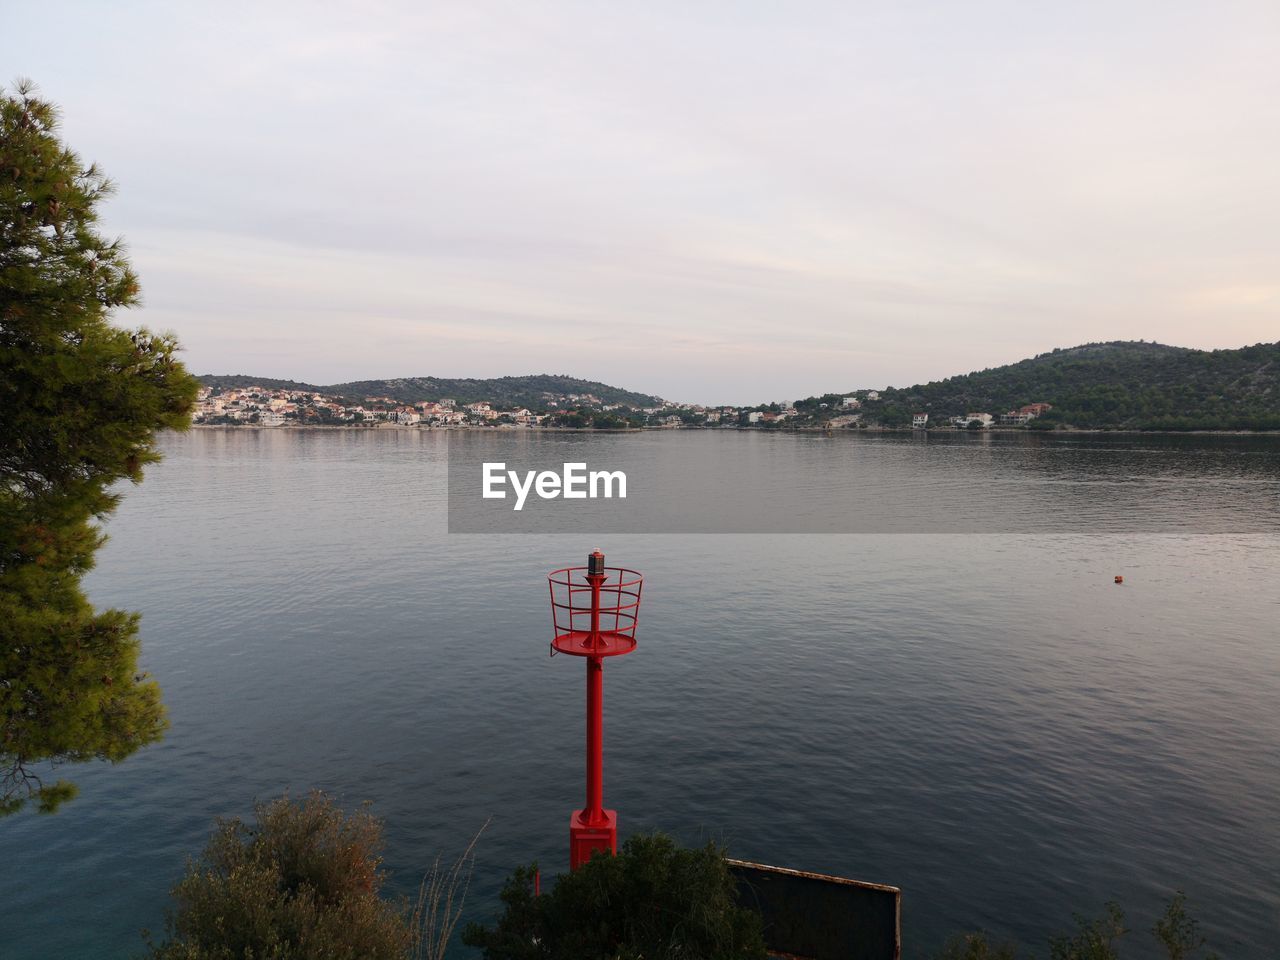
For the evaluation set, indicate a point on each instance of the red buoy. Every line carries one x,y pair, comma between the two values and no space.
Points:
594,610
1119,579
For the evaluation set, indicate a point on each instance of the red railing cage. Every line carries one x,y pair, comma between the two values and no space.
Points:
594,619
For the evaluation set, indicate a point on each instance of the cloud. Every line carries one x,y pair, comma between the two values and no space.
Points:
714,201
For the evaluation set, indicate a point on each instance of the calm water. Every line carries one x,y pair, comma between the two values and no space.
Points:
986,721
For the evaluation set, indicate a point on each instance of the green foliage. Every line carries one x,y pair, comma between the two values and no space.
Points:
301,884
1178,933
586,417
82,402
893,415
820,406
1093,940
527,391
975,946
653,900
1144,386
573,419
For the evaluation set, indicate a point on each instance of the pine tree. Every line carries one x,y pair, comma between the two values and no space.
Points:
80,404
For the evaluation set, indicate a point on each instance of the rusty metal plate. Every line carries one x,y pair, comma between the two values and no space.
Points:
811,916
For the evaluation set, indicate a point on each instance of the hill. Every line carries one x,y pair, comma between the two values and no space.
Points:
531,391
1117,385
223,381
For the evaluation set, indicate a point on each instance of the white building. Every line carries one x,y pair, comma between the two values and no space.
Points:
919,420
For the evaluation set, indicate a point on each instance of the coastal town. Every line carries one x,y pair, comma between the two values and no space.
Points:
262,406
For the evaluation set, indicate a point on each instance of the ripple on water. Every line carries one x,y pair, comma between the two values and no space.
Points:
986,721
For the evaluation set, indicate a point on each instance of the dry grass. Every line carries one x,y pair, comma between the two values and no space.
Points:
440,901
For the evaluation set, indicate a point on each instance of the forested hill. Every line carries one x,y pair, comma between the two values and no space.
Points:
1143,386
529,391
226,381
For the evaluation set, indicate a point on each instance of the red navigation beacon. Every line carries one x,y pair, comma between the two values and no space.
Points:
594,610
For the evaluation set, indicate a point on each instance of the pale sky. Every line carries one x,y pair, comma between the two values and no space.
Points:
716,202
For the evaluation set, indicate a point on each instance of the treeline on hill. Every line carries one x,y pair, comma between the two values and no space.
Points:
227,381
528,391
1119,385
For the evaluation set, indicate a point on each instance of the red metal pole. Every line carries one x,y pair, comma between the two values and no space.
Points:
593,815
593,828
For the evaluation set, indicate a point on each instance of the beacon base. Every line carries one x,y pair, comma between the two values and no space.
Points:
585,840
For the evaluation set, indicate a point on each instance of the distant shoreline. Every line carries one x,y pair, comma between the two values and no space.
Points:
866,431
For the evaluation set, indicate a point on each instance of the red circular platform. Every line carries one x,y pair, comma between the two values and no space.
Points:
578,644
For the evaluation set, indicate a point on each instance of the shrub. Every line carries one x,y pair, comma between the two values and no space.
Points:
1176,932
976,946
653,900
301,884
1093,939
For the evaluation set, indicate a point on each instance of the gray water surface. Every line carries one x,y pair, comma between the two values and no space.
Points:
985,720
